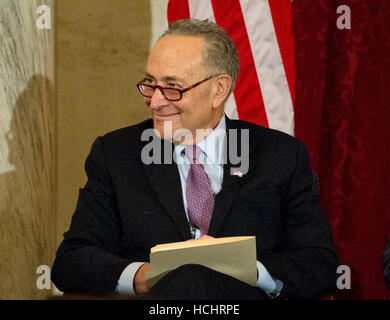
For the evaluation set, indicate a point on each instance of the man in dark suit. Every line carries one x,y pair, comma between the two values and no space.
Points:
130,203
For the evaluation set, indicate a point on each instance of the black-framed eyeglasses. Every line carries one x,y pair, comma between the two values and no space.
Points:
170,94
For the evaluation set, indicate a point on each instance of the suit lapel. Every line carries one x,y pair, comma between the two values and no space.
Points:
165,181
232,182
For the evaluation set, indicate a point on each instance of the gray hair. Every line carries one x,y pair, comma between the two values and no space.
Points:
220,52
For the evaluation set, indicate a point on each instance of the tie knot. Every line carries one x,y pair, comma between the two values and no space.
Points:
192,153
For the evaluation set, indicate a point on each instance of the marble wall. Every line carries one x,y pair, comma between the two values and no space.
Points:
27,146
101,52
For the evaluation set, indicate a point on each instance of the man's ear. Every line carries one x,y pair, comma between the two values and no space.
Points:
222,85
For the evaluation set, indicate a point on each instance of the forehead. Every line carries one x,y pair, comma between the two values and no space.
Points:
177,56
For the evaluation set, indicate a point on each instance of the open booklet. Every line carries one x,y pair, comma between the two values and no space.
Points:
234,256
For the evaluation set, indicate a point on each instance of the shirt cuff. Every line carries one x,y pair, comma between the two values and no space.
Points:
264,279
126,280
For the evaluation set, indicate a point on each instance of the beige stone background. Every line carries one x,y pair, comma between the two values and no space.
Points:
59,90
101,52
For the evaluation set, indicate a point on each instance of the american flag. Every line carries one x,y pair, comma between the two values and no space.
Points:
262,31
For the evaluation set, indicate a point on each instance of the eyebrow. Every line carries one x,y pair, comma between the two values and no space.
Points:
166,78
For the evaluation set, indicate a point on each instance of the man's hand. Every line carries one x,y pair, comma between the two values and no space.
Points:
140,276
205,236
140,279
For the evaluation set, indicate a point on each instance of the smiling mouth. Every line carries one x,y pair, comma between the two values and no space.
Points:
165,116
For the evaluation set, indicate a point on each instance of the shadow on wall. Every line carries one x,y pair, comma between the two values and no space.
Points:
27,221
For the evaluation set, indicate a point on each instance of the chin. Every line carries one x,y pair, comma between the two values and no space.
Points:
163,132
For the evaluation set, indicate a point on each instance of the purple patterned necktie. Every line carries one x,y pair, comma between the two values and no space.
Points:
200,198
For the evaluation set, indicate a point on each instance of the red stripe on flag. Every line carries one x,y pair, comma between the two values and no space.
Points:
249,101
282,18
177,10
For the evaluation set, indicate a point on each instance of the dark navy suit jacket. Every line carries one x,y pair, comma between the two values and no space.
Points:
127,207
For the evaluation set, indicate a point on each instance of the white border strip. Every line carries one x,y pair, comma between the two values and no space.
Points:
159,10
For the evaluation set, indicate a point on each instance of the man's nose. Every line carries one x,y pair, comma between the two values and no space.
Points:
158,100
